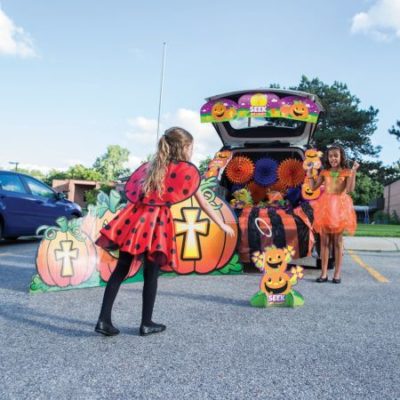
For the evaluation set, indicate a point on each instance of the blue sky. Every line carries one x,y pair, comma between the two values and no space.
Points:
78,75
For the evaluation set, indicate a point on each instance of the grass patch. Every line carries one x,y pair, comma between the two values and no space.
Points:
378,230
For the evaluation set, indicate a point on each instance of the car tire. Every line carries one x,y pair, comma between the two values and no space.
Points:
11,238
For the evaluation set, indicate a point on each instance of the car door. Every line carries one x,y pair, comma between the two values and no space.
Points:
15,205
45,203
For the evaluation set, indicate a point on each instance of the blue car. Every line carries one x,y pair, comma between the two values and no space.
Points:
27,203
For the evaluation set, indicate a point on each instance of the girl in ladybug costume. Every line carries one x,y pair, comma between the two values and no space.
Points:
145,228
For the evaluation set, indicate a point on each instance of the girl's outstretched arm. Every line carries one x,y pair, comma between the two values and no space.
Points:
204,204
351,181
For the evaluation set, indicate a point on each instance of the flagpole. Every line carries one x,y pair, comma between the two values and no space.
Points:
161,89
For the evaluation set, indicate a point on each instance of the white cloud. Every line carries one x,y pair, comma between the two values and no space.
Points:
143,135
381,21
13,39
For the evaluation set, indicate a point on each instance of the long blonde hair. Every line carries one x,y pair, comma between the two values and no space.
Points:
171,146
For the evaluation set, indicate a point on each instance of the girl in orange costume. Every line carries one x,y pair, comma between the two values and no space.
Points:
333,211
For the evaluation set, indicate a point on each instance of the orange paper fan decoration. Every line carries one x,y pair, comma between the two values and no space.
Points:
278,186
291,172
240,170
258,192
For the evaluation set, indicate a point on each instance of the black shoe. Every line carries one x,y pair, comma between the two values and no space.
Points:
320,280
336,280
106,329
150,328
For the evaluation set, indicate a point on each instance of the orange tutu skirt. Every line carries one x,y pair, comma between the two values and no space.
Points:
334,213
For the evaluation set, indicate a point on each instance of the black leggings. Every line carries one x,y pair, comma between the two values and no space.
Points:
150,273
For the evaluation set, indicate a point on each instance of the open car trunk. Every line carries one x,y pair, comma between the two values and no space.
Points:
279,125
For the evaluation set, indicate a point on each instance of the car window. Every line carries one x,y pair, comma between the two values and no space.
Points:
11,183
39,189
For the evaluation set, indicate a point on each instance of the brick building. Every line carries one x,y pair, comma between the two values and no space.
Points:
392,198
75,189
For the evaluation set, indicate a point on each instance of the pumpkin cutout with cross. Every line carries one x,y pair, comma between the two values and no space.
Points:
202,246
66,256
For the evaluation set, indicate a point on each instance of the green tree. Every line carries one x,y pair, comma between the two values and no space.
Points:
344,121
78,171
383,174
395,130
55,174
367,189
81,172
111,164
33,172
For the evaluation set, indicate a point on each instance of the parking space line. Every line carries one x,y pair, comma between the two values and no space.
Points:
373,272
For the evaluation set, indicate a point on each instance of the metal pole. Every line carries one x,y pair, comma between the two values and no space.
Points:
161,89
14,163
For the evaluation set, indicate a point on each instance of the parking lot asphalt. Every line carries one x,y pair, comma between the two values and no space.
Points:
342,344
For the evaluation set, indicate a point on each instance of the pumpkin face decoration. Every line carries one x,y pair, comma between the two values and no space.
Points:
299,110
66,255
218,111
275,282
202,246
308,194
218,163
312,158
275,259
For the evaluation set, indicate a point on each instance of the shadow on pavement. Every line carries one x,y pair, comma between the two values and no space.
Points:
33,318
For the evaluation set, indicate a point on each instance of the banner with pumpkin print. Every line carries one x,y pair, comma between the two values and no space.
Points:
68,258
277,280
260,105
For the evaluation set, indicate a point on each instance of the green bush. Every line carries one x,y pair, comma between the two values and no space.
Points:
381,217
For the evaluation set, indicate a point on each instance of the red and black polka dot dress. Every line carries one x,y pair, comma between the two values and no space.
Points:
146,224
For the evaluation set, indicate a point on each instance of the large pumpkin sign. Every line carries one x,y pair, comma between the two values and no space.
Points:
202,245
66,256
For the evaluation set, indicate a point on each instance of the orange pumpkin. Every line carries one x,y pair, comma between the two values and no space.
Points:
299,110
66,257
275,282
308,194
275,259
202,246
218,111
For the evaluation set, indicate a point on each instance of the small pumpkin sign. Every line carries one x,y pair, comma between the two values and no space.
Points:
276,282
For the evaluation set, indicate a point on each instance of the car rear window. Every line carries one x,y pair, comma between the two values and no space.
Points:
11,183
264,127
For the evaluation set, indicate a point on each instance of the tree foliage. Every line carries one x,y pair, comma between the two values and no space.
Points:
395,130
78,172
367,189
111,164
344,121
